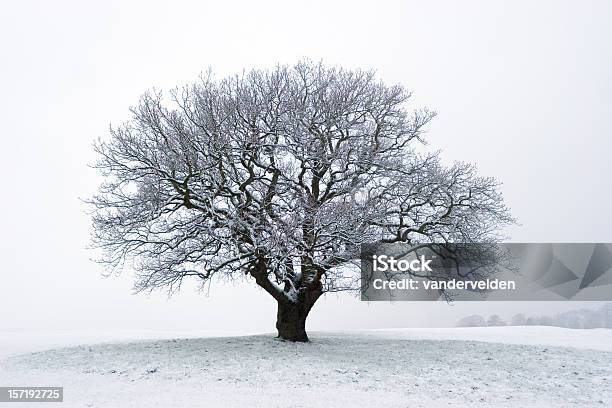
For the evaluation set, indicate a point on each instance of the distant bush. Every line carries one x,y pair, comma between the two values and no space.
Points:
518,320
573,319
472,321
495,320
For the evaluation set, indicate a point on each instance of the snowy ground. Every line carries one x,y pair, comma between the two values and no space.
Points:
387,368
595,339
19,341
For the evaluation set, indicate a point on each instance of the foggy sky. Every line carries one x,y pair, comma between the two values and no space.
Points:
522,89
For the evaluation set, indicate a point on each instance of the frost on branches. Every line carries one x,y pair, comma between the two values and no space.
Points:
279,175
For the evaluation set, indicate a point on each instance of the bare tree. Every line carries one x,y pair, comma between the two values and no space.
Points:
279,175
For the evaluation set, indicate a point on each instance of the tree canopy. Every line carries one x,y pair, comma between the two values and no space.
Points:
279,175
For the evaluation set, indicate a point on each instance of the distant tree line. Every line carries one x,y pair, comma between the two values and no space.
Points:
574,319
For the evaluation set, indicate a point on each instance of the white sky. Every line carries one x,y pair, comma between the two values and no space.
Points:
522,88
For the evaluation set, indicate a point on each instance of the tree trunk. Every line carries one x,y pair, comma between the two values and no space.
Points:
291,318
291,321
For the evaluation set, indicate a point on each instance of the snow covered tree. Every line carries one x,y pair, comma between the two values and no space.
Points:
279,176
472,321
495,320
518,319
606,315
546,321
532,321
592,319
